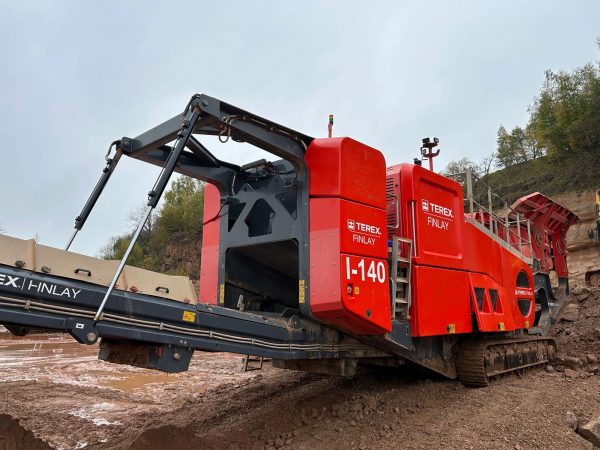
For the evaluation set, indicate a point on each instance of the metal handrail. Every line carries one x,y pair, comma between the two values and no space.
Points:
516,240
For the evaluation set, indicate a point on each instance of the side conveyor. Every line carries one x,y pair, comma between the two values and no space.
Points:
37,300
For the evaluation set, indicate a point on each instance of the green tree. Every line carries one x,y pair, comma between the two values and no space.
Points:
182,211
565,116
511,149
116,248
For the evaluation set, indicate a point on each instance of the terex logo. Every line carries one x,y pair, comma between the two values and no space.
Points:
363,233
7,280
433,208
359,227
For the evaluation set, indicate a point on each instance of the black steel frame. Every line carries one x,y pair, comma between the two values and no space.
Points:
217,118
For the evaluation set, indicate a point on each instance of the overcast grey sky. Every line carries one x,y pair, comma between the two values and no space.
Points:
76,75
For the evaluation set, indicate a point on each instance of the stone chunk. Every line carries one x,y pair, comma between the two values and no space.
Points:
571,420
572,362
591,431
570,313
570,373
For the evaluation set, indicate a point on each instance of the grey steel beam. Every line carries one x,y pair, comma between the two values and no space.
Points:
153,138
189,165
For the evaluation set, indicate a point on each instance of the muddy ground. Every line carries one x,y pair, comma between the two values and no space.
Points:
55,394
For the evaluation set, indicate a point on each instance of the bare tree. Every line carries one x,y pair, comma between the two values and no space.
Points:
486,164
461,166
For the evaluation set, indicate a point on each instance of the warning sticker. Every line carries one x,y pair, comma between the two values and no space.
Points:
189,316
301,291
222,294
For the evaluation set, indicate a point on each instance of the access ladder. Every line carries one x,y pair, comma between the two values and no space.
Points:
400,254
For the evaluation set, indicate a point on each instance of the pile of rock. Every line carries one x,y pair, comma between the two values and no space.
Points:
578,337
578,333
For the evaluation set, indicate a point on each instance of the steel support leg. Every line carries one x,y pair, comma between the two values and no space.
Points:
111,164
153,199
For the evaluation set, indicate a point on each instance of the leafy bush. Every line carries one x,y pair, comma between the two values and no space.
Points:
182,211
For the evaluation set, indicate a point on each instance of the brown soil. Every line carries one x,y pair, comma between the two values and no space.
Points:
64,396
14,437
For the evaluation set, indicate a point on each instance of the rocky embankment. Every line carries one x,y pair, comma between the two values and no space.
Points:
584,260
578,337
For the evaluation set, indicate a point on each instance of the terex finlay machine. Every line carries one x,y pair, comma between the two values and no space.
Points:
321,259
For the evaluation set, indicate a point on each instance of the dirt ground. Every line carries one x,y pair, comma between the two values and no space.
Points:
56,394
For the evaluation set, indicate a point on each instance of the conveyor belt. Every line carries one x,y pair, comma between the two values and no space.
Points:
32,299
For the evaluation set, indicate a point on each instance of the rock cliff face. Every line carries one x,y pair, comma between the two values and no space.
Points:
182,256
584,260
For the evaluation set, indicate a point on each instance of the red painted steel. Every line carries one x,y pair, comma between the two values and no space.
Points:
209,269
345,168
454,262
338,264
550,222
349,285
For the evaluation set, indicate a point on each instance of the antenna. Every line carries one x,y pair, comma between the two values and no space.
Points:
427,152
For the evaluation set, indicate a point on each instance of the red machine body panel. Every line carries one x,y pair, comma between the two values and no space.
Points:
458,270
348,280
345,168
440,302
209,269
431,214
348,236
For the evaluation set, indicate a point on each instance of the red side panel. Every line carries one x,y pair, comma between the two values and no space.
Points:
348,270
439,219
521,296
458,270
441,302
209,269
349,286
345,168
431,214
491,302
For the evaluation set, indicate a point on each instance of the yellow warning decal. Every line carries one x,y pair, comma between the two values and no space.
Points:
356,290
222,294
301,291
501,326
527,324
189,316
451,328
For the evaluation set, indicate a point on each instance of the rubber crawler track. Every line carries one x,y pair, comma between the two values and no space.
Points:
473,358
